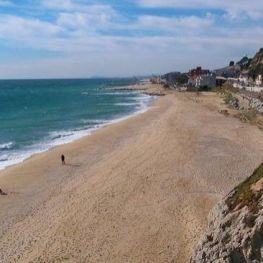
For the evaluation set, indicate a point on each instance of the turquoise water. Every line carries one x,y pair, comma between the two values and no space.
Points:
36,115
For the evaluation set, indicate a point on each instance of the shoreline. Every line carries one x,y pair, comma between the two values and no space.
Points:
90,131
137,190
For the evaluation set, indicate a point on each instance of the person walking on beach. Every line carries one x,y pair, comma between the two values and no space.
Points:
63,159
2,192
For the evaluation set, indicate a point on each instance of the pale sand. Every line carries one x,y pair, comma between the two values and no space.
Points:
135,191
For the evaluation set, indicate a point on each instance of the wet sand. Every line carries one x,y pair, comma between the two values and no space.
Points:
135,191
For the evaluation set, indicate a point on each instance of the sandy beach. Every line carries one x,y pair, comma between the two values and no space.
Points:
135,191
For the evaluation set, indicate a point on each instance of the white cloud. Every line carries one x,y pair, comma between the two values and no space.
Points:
77,33
60,4
133,56
19,29
253,10
175,24
128,45
5,3
95,17
240,14
70,29
244,4
77,6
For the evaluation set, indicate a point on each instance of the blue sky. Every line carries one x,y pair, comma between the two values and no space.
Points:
84,38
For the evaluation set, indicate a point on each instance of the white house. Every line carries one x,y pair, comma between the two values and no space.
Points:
258,80
243,80
208,80
203,81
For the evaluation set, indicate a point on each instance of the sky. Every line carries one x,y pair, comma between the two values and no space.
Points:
119,38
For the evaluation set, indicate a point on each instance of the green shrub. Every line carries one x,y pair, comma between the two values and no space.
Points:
243,195
231,100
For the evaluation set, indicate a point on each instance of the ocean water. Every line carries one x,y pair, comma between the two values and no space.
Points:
36,115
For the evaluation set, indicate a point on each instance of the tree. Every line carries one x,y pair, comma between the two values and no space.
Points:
244,62
181,79
231,64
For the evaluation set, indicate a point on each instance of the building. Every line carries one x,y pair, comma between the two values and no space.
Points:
206,81
228,72
193,73
258,81
243,80
201,78
157,80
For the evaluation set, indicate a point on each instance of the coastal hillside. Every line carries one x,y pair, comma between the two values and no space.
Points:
253,67
235,228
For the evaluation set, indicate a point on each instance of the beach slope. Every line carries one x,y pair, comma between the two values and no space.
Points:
135,191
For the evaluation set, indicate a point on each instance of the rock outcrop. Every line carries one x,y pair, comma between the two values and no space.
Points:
256,64
235,229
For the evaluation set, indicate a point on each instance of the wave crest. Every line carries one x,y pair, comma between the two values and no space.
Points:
6,146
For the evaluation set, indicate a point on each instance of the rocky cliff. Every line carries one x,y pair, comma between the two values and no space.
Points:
252,66
256,65
235,228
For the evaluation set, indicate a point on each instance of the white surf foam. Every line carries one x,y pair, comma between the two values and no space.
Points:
6,146
126,104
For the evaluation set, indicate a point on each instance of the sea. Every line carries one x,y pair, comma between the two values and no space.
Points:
37,115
